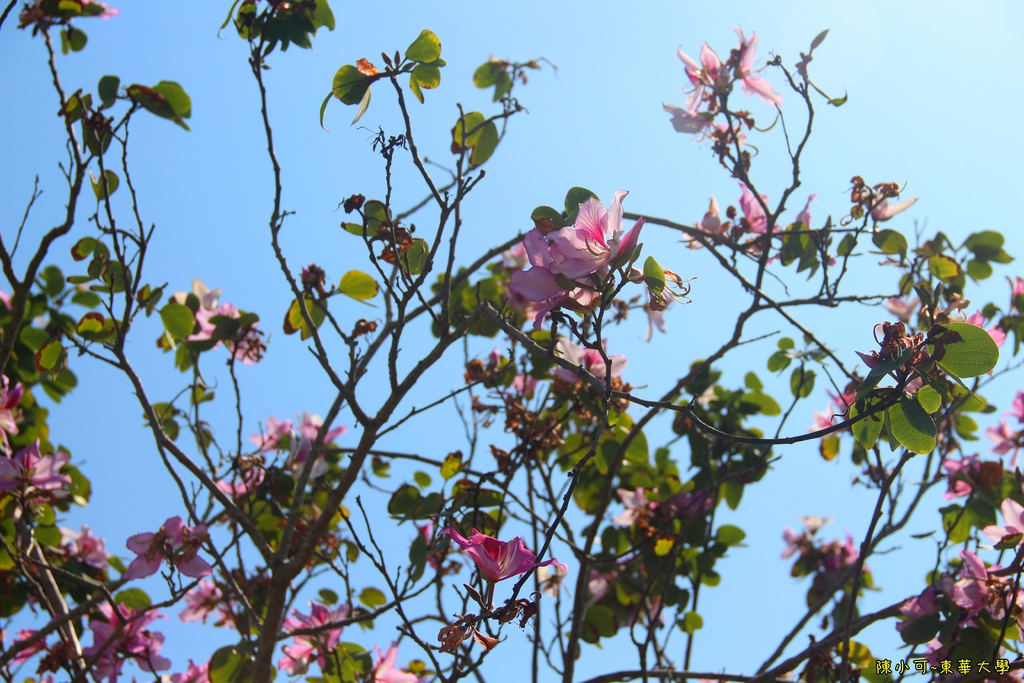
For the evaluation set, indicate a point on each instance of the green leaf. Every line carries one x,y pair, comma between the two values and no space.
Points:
426,48
974,354
294,322
912,426
546,219
654,275
752,382
729,534
452,465
178,320
349,86
944,268
72,39
53,281
486,145
846,245
49,536
358,285
573,198
417,256
226,665
328,596
987,245
97,185
602,620
778,361
866,431
48,357
929,399
363,106
468,129
372,598
801,382
692,622
979,270
107,90
921,630
133,598
83,248
427,76
487,74
890,242
732,492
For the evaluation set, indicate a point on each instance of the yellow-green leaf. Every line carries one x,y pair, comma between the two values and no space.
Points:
358,285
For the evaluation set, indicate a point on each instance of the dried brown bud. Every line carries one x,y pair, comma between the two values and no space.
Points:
354,202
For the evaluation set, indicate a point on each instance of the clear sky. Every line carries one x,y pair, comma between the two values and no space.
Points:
934,101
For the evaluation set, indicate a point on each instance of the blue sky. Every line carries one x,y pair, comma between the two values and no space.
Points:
934,102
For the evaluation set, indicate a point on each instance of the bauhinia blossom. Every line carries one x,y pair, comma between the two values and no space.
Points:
1013,533
589,247
754,84
753,211
883,211
89,549
590,359
122,635
309,648
384,670
174,542
9,399
498,560
35,473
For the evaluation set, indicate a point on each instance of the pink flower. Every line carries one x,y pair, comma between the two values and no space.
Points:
752,210
89,549
754,84
884,211
635,502
129,639
9,399
315,647
712,221
251,478
194,674
311,425
978,590
204,599
89,8
902,309
595,241
590,359
524,384
978,320
688,121
299,455
960,474
272,433
705,74
384,670
26,654
1018,407
174,542
1013,532
516,257
498,560
34,472
805,215
207,297
1005,440
247,348
917,607
822,419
